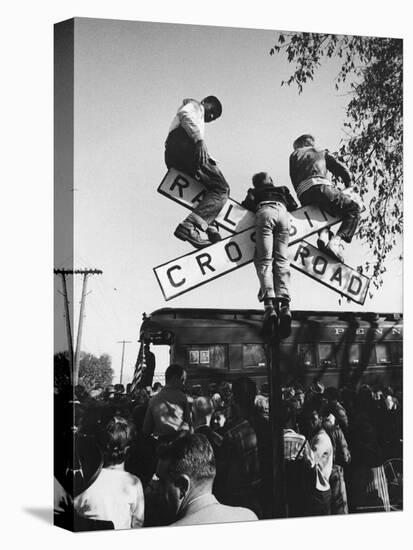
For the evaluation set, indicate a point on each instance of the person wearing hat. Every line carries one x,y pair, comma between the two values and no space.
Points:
309,167
186,150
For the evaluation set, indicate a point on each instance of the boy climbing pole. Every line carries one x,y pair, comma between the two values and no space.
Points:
185,150
272,223
308,171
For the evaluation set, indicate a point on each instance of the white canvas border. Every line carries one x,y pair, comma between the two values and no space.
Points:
26,274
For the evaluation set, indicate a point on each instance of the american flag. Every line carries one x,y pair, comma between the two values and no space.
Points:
139,367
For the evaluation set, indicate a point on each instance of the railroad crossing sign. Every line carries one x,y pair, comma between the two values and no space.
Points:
233,217
201,266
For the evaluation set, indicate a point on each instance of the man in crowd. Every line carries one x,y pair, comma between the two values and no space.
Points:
334,407
149,371
203,410
271,204
299,463
186,150
320,497
341,458
156,388
168,411
308,171
239,478
186,472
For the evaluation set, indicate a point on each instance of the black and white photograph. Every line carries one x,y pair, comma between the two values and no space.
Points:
228,269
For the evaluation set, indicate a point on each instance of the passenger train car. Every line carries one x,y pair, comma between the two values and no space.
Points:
335,348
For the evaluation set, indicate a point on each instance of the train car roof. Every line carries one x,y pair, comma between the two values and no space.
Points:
187,324
297,315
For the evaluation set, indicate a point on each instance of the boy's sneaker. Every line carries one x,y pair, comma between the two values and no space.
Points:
284,314
335,249
190,233
269,315
324,236
213,234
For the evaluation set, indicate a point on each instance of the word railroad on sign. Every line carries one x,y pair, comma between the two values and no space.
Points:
201,266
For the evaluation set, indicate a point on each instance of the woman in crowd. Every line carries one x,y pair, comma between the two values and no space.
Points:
116,495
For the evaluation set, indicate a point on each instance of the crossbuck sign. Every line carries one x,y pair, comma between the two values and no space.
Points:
201,266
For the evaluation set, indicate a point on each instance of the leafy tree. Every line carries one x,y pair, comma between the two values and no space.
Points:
92,370
371,69
95,370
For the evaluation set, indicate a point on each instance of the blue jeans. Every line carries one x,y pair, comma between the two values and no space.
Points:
272,226
333,201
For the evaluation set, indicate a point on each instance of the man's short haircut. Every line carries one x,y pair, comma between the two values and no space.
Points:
257,179
203,406
191,455
174,371
306,140
212,100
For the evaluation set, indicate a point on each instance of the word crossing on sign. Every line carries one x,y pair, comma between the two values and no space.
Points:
201,266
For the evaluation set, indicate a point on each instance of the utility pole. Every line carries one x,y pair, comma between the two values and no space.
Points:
63,273
74,356
123,342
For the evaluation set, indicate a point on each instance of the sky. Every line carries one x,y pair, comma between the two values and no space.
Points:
130,78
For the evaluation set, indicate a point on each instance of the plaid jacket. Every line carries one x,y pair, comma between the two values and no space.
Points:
241,468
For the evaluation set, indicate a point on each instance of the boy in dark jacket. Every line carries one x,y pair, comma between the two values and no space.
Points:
308,171
272,222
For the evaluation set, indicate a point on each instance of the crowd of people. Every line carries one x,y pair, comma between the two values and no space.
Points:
173,455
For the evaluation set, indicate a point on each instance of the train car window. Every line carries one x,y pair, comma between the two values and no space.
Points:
253,356
327,355
397,353
306,355
383,353
193,358
212,356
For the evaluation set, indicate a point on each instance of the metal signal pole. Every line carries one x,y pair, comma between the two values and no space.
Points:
123,342
279,497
